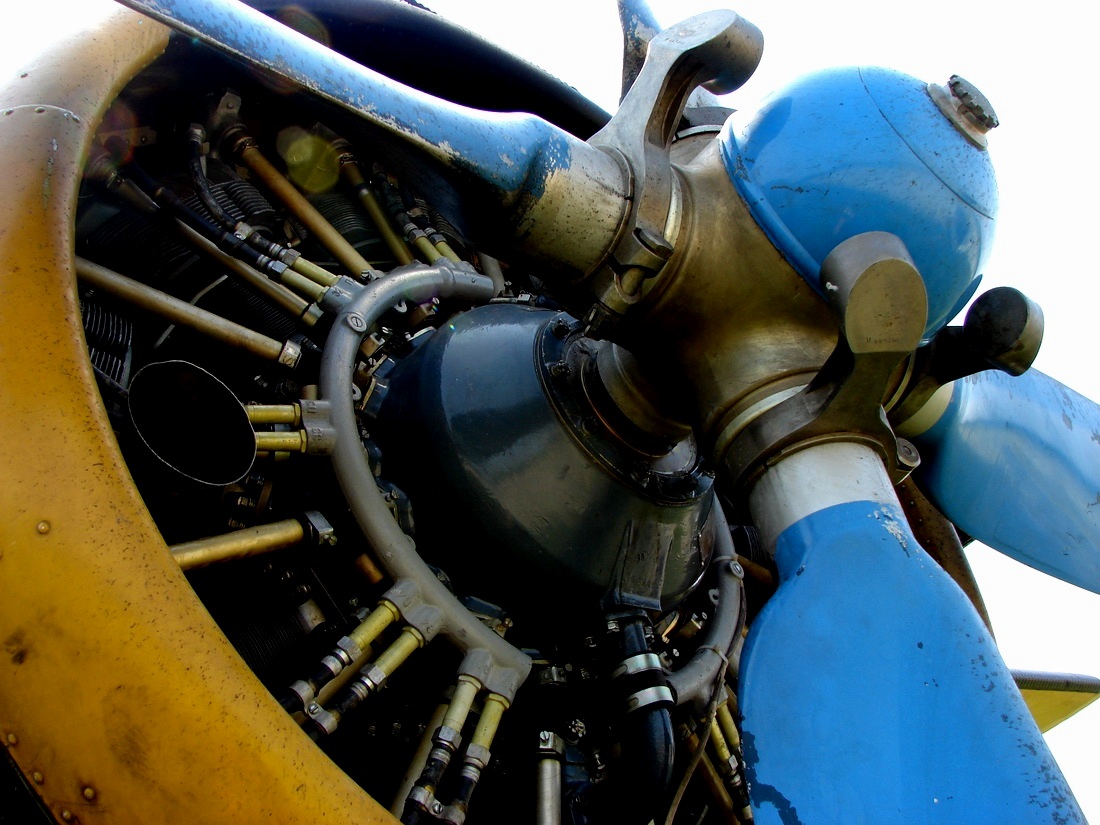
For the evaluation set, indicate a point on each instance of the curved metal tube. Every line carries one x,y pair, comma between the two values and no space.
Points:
694,681
499,666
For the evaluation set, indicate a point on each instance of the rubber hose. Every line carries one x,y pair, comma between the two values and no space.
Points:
648,746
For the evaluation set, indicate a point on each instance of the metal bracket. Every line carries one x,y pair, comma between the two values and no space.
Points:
880,298
320,434
320,530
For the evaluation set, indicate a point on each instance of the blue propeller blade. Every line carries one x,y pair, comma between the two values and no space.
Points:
872,693
1015,463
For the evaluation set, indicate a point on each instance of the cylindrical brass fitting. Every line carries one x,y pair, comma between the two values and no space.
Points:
293,442
179,312
236,545
274,414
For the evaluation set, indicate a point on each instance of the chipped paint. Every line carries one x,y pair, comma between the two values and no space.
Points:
894,676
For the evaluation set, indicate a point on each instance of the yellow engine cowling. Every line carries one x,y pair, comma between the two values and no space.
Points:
120,699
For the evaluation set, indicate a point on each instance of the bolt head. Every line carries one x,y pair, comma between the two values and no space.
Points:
973,102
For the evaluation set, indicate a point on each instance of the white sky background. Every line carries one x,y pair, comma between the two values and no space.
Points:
1037,65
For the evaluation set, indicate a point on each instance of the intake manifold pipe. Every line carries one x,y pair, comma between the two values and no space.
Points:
696,681
496,664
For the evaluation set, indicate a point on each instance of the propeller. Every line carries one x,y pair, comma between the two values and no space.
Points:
1015,463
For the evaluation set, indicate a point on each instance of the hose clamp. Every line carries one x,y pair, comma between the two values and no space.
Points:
323,719
659,695
304,691
640,663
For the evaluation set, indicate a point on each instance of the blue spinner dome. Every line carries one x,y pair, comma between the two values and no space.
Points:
854,150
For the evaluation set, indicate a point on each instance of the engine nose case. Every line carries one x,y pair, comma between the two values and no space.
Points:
518,485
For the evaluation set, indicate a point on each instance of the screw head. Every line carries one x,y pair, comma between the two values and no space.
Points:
559,370
89,793
38,778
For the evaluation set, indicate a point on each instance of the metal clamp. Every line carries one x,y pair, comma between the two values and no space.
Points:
551,745
880,299
321,531
638,664
656,695
320,434
718,49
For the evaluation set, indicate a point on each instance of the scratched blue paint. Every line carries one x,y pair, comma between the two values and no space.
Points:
1015,462
511,153
872,693
850,150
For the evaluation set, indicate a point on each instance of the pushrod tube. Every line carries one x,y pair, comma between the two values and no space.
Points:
249,154
179,312
543,167
549,792
250,541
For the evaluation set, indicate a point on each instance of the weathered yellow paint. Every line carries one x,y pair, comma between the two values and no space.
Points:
116,687
1052,707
